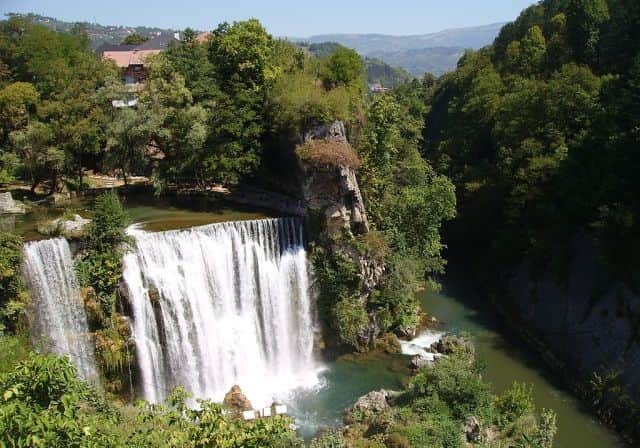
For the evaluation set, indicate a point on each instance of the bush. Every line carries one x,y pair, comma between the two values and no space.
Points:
107,230
457,382
44,404
328,152
336,278
10,284
516,402
351,320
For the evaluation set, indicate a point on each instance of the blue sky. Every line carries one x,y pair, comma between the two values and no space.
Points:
297,18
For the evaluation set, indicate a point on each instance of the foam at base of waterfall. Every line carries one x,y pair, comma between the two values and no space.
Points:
421,345
220,305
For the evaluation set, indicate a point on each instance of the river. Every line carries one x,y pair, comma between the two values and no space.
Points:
507,360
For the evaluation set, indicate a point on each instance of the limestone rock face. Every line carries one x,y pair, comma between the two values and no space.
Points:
9,206
334,204
334,191
236,400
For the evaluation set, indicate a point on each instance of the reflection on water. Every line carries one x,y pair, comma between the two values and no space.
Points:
507,360
155,214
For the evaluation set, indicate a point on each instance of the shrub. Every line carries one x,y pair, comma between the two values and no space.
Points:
351,320
328,152
336,278
10,285
107,230
456,381
516,402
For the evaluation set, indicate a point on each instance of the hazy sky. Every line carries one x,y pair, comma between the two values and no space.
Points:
300,18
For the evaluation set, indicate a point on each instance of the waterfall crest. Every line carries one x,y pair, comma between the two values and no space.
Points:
59,320
223,304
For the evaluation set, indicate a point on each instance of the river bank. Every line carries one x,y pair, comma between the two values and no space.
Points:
507,359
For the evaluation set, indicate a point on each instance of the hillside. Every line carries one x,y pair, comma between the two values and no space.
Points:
98,34
435,53
473,37
378,71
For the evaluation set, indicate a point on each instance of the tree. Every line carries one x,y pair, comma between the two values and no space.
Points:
343,67
41,158
134,39
17,104
584,21
533,51
241,54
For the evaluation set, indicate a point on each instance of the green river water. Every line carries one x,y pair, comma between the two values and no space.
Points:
349,377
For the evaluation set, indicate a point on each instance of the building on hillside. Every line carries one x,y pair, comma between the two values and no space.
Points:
131,58
378,88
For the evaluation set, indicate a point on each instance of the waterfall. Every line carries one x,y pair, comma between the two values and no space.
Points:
59,321
223,304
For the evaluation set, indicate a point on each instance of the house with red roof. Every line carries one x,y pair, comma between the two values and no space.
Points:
131,58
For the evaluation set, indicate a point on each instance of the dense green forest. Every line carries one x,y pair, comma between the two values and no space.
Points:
539,129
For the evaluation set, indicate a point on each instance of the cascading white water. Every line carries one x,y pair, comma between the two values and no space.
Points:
59,321
223,304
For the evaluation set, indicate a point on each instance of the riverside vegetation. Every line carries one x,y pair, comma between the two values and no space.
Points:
540,129
228,111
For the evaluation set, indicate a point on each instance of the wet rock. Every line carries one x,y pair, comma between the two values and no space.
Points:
389,343
70,228
450,343
236,400
472,430
9,206
418,362
373,402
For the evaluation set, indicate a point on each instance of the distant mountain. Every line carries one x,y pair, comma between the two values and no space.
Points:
473,37
436,53
98,34
435,60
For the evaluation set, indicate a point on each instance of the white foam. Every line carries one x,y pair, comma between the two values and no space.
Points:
421,345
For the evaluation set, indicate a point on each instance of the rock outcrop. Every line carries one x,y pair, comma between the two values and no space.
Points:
9,206
369,405
451,343
334,206
236,401
70,228
586,321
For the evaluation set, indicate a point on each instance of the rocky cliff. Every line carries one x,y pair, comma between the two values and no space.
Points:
335,210
585,323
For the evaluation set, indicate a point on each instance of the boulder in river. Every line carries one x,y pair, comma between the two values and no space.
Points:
418,362
451,343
